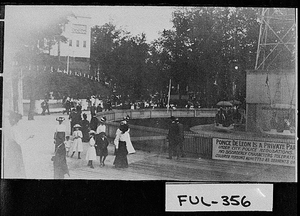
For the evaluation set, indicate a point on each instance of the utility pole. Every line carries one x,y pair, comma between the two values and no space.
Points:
20,93
169,95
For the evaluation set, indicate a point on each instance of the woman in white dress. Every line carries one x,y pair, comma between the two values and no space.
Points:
91,151
77,142
129,145
12,161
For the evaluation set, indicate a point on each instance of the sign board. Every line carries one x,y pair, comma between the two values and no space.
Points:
79,29
254,151
197,197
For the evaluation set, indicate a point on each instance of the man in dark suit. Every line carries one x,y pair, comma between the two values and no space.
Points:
179,151
99,108
94,123
75,118
93,109
172,137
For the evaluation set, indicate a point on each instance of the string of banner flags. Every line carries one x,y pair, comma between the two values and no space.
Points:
70,73
75,73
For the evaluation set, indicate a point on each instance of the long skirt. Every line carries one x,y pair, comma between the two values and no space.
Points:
121,156
77,145
91,153
60,138
60,163
13,163
130,147
103,152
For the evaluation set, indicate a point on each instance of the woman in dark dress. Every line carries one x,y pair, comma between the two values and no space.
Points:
85,127
122,136
60,162
101,147
94,123
60,132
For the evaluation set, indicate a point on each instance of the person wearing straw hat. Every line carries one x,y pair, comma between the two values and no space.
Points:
77,142
126,118
91,151
129,145
60,132
101,127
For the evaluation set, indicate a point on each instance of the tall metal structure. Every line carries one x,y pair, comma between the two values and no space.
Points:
277,39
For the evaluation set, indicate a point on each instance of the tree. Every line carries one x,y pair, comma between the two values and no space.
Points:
204,46
33,56
120,60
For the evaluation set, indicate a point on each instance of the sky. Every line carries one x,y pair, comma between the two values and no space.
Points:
135,19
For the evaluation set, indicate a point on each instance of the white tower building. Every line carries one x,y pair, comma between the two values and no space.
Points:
75,54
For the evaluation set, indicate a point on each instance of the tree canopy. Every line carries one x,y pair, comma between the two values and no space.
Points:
205,55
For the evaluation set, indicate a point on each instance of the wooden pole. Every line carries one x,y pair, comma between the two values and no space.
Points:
68,63
169,95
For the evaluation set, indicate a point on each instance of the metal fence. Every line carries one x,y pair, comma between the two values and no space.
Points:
155,139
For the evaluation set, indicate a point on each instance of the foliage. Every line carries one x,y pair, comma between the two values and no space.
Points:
203,48
206,46
120,60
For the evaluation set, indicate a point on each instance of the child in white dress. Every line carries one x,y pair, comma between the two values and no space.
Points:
68,144
91,151
77,142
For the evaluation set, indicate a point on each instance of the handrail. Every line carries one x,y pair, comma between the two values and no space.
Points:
117,115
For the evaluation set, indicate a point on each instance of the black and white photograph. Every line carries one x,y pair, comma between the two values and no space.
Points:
134,93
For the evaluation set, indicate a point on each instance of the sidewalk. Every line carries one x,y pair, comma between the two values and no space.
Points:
142,165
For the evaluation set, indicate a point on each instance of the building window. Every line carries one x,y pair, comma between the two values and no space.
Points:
77,43
70,43
84,43
79,29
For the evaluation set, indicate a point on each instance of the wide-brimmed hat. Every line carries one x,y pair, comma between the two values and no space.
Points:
102,133
77,126
126,118
60,118
92,132
103,119
123,122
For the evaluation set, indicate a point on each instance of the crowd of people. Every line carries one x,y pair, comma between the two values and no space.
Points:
71,103
93,133
226,116
281,121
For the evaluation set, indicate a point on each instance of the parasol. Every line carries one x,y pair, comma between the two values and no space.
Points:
235,102
224,103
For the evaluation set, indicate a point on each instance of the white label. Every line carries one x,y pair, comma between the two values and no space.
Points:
218,197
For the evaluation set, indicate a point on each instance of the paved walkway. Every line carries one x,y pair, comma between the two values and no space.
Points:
142,165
